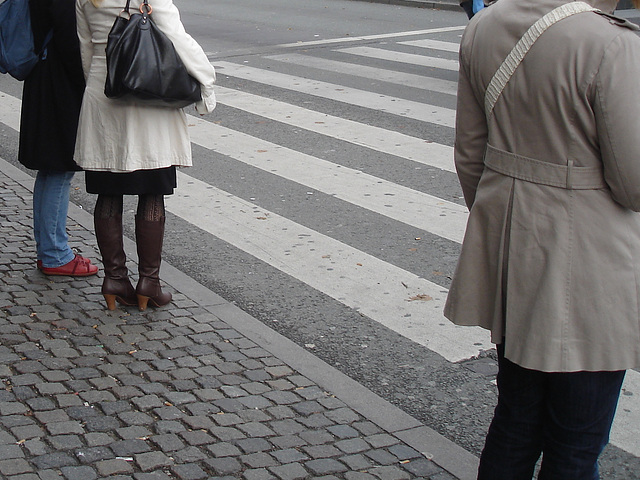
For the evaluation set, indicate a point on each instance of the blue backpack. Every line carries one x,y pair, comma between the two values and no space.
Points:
17,52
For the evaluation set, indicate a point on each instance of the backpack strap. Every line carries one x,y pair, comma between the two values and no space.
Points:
508,67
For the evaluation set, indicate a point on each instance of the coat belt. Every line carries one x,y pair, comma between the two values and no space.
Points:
531,170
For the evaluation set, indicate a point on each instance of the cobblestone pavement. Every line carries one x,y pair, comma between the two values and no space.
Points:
176,392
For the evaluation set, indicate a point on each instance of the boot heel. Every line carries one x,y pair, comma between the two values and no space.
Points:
142,302
111,301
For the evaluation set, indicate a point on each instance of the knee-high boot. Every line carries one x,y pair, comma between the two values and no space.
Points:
116,285
149,237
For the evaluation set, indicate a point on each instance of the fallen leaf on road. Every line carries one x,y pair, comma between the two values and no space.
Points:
421,297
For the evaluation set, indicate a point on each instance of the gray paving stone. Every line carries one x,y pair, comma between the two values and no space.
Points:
53,460
404,452
258,460
325,466
190,471
352,445
224,465
288,441
10,451
152,461
79,473
65,442
291,471
422,467
224,449
390,472
257,474
113,467
252,445
93,454
290,455
357,461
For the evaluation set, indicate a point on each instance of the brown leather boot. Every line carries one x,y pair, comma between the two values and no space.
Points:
149,237
116,285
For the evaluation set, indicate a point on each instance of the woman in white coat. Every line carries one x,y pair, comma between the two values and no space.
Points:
132,149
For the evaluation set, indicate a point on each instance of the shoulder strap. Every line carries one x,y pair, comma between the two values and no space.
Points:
504,73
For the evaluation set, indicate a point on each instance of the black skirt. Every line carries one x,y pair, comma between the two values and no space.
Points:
160,181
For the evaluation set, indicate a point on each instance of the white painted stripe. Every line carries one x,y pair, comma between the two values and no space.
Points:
369,136
433,45
389,76
373,287
429,213
402,57
373,37
352,96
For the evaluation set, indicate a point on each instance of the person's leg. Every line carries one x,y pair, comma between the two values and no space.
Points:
38,188
51,205
107,219
514,442
150,220
581,407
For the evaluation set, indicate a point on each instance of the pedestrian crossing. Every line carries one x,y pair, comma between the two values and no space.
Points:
399,298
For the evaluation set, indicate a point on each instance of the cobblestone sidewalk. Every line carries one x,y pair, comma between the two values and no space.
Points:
172,393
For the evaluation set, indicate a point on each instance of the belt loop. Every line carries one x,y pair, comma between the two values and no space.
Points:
569,170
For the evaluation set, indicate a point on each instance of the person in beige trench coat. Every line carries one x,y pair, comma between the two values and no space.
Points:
550,261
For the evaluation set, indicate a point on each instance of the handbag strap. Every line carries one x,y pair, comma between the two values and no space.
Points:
511,63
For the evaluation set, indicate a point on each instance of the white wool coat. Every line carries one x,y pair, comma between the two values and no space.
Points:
120,136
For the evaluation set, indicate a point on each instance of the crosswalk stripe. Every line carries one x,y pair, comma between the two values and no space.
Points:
381,36
373,287
402,57
383,103
393,143
399,78
433,45
429,213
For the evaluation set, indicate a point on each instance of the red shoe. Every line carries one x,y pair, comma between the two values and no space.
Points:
78,267
39,262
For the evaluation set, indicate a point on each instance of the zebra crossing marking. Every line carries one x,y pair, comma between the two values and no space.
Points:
387,141
381,36
433,45
375,288
352,96
402,57
398,78
421,210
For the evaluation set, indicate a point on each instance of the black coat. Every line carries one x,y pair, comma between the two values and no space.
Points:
52,92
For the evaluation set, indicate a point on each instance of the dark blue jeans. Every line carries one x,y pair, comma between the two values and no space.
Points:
565,417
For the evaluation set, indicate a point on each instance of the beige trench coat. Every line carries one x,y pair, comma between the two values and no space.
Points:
120,136
551,257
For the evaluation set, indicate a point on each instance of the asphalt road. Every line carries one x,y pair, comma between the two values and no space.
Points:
323,202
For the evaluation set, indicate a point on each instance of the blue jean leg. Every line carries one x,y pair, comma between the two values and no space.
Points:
50,208
566,417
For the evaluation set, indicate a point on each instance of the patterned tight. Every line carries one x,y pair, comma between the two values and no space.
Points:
150,206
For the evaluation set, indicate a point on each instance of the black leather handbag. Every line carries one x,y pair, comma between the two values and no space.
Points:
143,66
